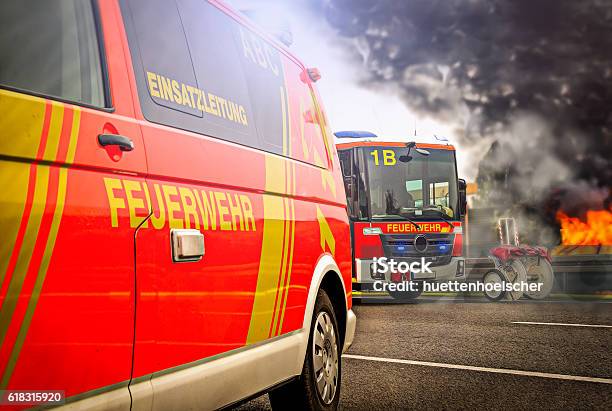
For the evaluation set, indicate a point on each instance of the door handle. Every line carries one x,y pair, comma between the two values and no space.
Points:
187,245
124,143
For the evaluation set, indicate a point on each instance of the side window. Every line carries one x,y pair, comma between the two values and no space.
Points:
200,70
229,110
167,86
266,81
51,48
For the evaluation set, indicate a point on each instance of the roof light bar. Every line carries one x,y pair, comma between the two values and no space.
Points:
354,134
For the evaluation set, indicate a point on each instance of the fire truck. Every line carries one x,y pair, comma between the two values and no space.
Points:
405,204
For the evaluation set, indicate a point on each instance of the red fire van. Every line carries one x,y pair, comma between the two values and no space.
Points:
173,216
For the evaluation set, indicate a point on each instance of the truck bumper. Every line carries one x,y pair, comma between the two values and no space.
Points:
450,271
351,324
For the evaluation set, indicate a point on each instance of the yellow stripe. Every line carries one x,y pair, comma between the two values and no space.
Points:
328,181
287,253
291,248
57,119
21,124
292,191
25,253
74,135
31,233
46,259
326,234
14,182
274,259
283,270
286,152
283,273
271,251
317,158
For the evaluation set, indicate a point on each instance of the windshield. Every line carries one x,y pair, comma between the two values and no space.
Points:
419,187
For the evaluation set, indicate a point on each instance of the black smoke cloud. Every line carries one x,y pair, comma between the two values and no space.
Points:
533,75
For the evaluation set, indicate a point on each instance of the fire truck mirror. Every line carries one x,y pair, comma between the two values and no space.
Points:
348,185
351,195
462,185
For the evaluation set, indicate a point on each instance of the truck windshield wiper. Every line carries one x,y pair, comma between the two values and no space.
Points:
403,217
443,215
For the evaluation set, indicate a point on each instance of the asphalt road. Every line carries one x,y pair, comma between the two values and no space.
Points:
472,333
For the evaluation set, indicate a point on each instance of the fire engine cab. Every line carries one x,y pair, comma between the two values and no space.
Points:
405,205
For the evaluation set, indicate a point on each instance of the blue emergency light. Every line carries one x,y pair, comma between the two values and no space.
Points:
354,134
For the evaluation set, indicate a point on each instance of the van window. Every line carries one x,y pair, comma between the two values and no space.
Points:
241,71
263,68
166,82
51,48
200,70
228,110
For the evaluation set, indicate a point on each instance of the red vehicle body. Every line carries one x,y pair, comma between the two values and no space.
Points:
397,197
93,300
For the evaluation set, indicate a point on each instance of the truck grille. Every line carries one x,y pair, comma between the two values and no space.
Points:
439,248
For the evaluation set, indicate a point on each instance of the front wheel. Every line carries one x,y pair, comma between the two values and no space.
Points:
318,387
494,277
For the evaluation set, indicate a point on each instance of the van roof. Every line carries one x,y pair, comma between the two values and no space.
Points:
371,143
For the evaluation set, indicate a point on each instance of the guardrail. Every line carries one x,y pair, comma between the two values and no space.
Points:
573,273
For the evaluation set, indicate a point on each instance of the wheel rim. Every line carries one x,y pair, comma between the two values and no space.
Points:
325,357
493,278
540,273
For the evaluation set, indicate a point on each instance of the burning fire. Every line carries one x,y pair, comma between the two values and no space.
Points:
597,230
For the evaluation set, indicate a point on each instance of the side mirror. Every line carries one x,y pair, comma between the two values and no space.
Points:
349,186
462,186
351,194
405,158
412,145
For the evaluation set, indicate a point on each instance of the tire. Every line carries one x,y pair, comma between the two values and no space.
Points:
494,276
543,273
407,296
304,393
518,274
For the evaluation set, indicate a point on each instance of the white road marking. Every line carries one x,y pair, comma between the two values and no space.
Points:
563,324
483,369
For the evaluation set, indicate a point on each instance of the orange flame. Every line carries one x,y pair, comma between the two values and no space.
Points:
597,230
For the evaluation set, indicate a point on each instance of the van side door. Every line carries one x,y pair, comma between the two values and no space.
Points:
196,124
